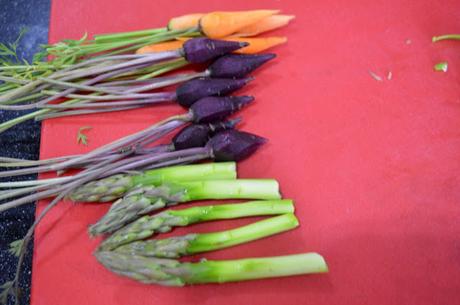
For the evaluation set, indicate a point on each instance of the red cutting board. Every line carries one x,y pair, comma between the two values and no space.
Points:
372,165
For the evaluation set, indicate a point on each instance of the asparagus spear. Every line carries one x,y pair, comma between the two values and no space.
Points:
116,186
145,199
170,272
163,222
189,244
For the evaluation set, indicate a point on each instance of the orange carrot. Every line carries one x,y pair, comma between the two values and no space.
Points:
184,22
257,45
222,24
264,25
160,47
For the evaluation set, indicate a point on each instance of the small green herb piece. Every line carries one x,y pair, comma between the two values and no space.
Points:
15,247
442,66
81,137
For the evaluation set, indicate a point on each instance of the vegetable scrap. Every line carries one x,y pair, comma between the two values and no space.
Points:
442,66
81,137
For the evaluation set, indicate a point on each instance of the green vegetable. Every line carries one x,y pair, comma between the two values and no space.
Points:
163,222
169,272
442,66
114,187
178,246
143,200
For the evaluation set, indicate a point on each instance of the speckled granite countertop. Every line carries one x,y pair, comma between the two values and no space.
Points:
22,141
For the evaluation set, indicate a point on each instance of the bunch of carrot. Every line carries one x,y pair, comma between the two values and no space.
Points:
231,26
77,65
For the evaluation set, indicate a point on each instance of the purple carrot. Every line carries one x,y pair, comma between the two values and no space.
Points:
237,65
212,109
200,50
197,135
195,89
234,145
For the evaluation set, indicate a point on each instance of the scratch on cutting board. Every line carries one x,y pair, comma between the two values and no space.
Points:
375,76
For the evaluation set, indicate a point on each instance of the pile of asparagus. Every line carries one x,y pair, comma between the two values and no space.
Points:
129,221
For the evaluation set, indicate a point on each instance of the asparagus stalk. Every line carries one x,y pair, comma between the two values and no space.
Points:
163,222
116,186
189,244
145,199
169,272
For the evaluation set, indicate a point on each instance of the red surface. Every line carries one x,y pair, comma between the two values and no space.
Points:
373,166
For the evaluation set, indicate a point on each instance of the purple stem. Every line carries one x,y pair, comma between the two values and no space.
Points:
70,90
182,160
175,121
161,148
168,81
154,100
80,178
105,59
141,161
149,59
64,84
121,97
80,112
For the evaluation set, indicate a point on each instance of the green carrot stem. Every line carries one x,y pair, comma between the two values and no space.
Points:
84,50
32,115
218,240
19,91
254,268
125,35
23,99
